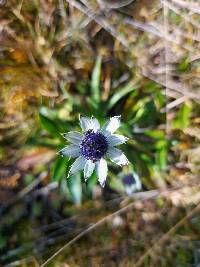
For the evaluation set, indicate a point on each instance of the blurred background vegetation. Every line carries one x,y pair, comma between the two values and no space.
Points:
138,59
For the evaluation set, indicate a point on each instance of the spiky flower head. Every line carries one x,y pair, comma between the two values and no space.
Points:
93,146
131,183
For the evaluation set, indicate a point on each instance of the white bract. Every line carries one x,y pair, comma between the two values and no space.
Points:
93,145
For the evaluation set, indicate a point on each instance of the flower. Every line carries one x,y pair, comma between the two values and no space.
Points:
132,183
93,146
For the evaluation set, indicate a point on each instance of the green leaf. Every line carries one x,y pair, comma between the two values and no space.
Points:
75,188
59,168
49,113
157,134
91,182
161,158
120,94
144,113
93,104
82,86
156,175
37,208
44,142
184,65
95,82
2,242
183,117
49,126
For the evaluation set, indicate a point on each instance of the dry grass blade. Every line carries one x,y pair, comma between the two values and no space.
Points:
192,6
10,181
186,17
23,262
172,85
166,236
176,102
114,4
141,196
105,24
24,192
156,32
99,20
94,226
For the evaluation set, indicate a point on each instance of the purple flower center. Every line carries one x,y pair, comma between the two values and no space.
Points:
94,145
128,180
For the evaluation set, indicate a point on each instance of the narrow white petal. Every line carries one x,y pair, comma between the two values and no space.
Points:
89,123
117,156
88,169
73,137
70,151
112,125
84,123
116,139
95,124
130,189
102,170
78,165
138,183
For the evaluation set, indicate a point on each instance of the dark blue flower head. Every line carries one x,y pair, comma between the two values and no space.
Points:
131,183
94,145
128,180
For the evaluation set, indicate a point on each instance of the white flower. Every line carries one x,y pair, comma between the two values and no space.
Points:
93,146
132,183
